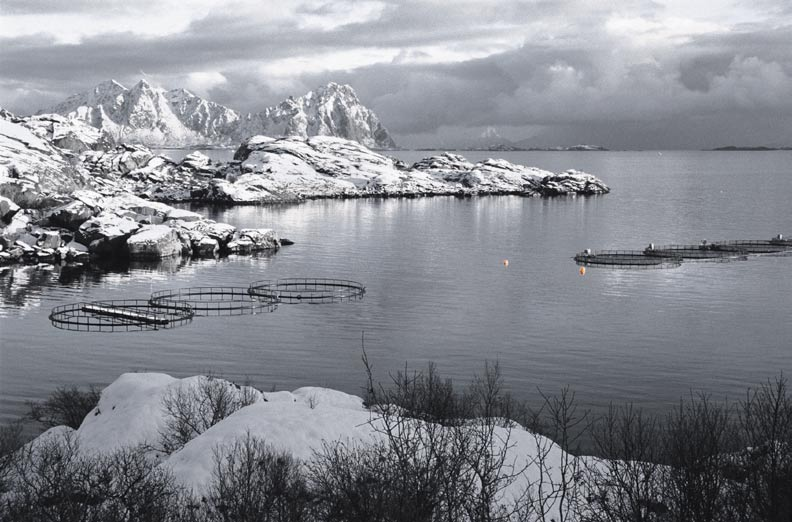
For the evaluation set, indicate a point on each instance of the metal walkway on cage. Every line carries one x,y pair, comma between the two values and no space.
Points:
129,315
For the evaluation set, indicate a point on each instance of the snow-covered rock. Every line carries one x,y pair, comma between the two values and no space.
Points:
154,242
66,133
7,209
71,215
290,169
222,232
572,182
261,238
205,246
184,215
34,172
49,239
106,234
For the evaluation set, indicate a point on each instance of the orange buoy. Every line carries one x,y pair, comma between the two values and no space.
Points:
582,270
505,262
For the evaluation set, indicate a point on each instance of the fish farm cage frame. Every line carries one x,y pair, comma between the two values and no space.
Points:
757,246
702,252
124,315
295,290
207,301
635,259
672,256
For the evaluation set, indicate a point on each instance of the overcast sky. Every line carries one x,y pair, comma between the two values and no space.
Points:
623,74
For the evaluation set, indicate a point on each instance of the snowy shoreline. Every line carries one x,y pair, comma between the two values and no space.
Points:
68,195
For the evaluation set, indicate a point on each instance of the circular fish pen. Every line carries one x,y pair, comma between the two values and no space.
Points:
129,315
702,252
307,290
756,246
635,259
207,301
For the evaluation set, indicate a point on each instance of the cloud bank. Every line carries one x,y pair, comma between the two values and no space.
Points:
624,74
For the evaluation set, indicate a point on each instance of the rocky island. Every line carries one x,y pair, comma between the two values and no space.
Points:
68,193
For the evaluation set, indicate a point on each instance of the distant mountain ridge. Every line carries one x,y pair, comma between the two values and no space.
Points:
157,117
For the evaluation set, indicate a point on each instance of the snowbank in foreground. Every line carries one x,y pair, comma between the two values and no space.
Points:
131,413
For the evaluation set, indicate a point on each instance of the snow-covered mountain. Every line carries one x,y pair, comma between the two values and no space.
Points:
156,117
331,110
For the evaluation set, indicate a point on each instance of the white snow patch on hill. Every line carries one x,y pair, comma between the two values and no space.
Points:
130,413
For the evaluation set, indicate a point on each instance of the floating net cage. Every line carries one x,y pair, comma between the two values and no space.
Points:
754,246
635,259
307,290
702,252
208,301
130,315
669,256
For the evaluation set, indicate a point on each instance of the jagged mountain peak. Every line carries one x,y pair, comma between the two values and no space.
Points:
144,86
181,92
336,88
177,117
109,86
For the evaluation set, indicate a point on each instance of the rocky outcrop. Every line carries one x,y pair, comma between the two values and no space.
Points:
154,242
571,182
70,134
7,209
254,240
135,169
120,227
290,169
33,171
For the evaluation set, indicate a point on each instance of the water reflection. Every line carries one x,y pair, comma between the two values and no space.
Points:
22,287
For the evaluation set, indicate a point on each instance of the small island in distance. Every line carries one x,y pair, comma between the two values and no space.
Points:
755,149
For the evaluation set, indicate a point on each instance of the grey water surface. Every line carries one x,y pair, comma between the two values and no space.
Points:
438,290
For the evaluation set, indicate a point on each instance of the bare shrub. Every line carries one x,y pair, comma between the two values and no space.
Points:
253,483
191,410
766,426
376,483
66,406
53,481
10,442
555,493
421,395
449,449
140,490
628,487
698,435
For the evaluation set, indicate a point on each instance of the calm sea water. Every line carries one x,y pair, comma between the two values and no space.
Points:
437,290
